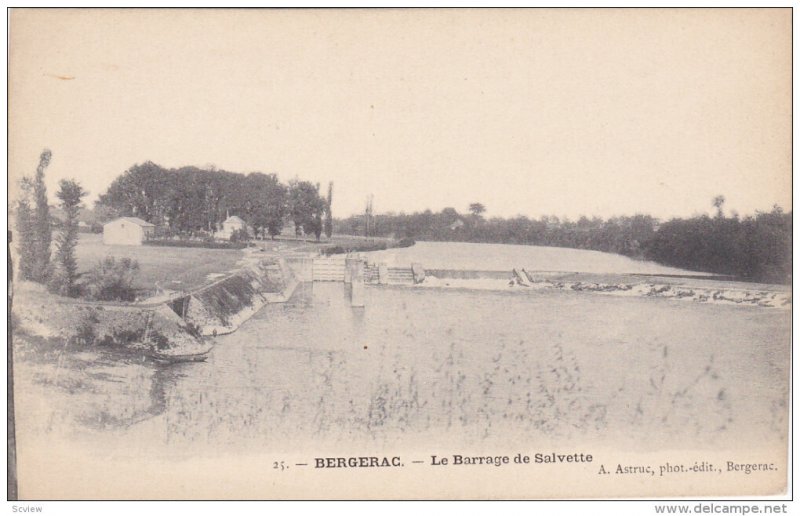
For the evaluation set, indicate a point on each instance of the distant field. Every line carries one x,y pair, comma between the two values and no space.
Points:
172,267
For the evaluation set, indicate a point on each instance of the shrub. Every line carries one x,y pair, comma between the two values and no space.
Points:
85,333
60,283
337,249
205,244
240,235
356,248
112,280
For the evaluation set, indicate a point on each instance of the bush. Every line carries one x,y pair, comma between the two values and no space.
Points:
337,249
240,235
206,243
366,247
358,248
112,280
60,283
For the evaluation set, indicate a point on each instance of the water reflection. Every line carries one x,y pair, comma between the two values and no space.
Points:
162,378
98,389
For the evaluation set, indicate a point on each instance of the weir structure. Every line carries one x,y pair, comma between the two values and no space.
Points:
354,271
173,327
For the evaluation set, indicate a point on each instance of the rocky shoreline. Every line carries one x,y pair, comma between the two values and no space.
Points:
522,281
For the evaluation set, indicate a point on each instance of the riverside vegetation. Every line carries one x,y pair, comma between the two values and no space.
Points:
751,248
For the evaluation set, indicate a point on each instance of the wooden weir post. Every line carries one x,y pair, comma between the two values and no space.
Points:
351,264
357,284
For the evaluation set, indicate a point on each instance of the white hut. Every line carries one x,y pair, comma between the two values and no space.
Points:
229,225
127,231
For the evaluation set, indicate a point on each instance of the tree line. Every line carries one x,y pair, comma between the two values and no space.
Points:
187,200
753,248
190,200
622,235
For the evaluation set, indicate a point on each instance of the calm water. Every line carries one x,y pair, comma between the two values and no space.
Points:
470,256
430,364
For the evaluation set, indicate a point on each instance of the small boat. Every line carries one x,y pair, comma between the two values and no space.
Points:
176,358
187,349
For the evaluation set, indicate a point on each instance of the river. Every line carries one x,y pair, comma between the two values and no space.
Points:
472,256
419,368
419,362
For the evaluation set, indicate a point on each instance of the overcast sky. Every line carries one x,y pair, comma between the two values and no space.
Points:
562,112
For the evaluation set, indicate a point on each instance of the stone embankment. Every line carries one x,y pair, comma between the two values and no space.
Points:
169,328
224,305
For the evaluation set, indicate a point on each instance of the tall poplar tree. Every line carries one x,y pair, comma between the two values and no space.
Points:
42,231
65,274
25,236
328,213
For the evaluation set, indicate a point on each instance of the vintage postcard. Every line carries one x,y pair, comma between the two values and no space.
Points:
399,253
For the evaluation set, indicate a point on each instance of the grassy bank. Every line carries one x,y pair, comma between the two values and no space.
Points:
187,268
176,268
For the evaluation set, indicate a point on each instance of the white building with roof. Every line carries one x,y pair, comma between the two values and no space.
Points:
229,225
127,231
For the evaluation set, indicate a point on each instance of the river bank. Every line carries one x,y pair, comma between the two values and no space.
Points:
171,325
176,324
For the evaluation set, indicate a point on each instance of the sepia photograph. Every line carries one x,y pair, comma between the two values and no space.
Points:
399,254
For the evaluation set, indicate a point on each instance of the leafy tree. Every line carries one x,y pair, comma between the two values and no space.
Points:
42,231
240,235
718,202
316,227
26,234
263,202
314,224
328,212
185,208
143,191
102,214
305,207
65,274
477,209
276,212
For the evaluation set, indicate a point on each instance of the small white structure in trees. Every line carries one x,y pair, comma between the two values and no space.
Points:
127,231
229,225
